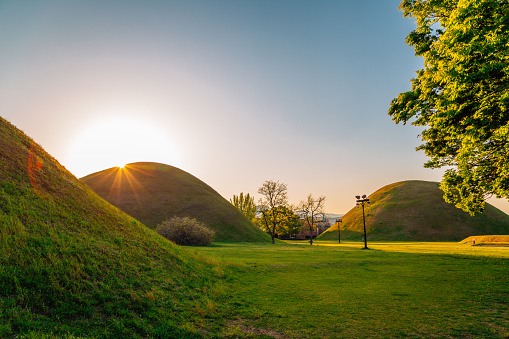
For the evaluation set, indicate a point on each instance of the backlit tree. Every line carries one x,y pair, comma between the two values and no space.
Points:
245,204
461,96
274,196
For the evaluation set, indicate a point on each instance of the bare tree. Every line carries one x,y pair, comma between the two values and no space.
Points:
310,209
274,195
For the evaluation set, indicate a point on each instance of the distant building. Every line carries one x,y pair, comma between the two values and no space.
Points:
320,227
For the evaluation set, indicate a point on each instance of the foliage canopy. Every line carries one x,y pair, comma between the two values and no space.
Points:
461,95
245,204
287,222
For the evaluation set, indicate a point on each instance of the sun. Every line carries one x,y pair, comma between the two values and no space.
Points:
117,141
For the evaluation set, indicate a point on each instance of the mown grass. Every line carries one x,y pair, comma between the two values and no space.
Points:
421,290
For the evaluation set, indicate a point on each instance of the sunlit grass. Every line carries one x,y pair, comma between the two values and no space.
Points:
332,290
427,247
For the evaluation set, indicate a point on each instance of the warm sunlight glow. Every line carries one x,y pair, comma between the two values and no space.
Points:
115,142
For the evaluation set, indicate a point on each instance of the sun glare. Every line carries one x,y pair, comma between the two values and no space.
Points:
115,142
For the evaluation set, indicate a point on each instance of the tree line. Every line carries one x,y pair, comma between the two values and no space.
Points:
275,215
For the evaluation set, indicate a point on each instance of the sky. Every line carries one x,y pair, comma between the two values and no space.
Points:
235,92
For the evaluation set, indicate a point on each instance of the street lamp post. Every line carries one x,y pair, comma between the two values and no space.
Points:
363,202
339,230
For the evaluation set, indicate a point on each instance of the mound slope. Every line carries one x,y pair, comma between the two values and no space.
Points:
415,211
153,192
494,240
72,264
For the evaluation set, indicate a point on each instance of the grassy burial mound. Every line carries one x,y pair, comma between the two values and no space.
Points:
415,211
72,265
153,192
487,240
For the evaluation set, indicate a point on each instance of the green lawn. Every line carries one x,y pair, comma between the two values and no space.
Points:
327,290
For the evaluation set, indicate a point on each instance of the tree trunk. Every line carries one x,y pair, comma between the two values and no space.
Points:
267,225
273,224
310,230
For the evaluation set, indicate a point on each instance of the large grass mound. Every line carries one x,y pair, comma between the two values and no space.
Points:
415,211
153,192
72,265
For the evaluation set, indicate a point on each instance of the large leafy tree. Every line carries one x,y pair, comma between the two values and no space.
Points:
287,222
461,95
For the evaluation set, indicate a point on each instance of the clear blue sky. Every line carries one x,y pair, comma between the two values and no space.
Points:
233,92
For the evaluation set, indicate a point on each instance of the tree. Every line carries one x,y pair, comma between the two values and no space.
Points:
274,196
245,204
461,95
287,222
310,209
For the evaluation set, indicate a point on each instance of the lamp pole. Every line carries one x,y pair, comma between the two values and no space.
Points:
339,229
363,202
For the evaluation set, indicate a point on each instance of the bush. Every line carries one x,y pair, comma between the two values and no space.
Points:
186,231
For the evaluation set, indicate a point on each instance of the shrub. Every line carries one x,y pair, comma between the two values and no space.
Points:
186,231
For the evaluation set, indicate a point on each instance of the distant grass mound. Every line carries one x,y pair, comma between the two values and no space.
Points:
153,193
72,265
415,211
487,240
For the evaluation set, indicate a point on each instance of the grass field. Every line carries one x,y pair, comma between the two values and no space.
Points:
420,290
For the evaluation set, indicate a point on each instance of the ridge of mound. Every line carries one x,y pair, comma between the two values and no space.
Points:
415,211
153,192
493,240
73,265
